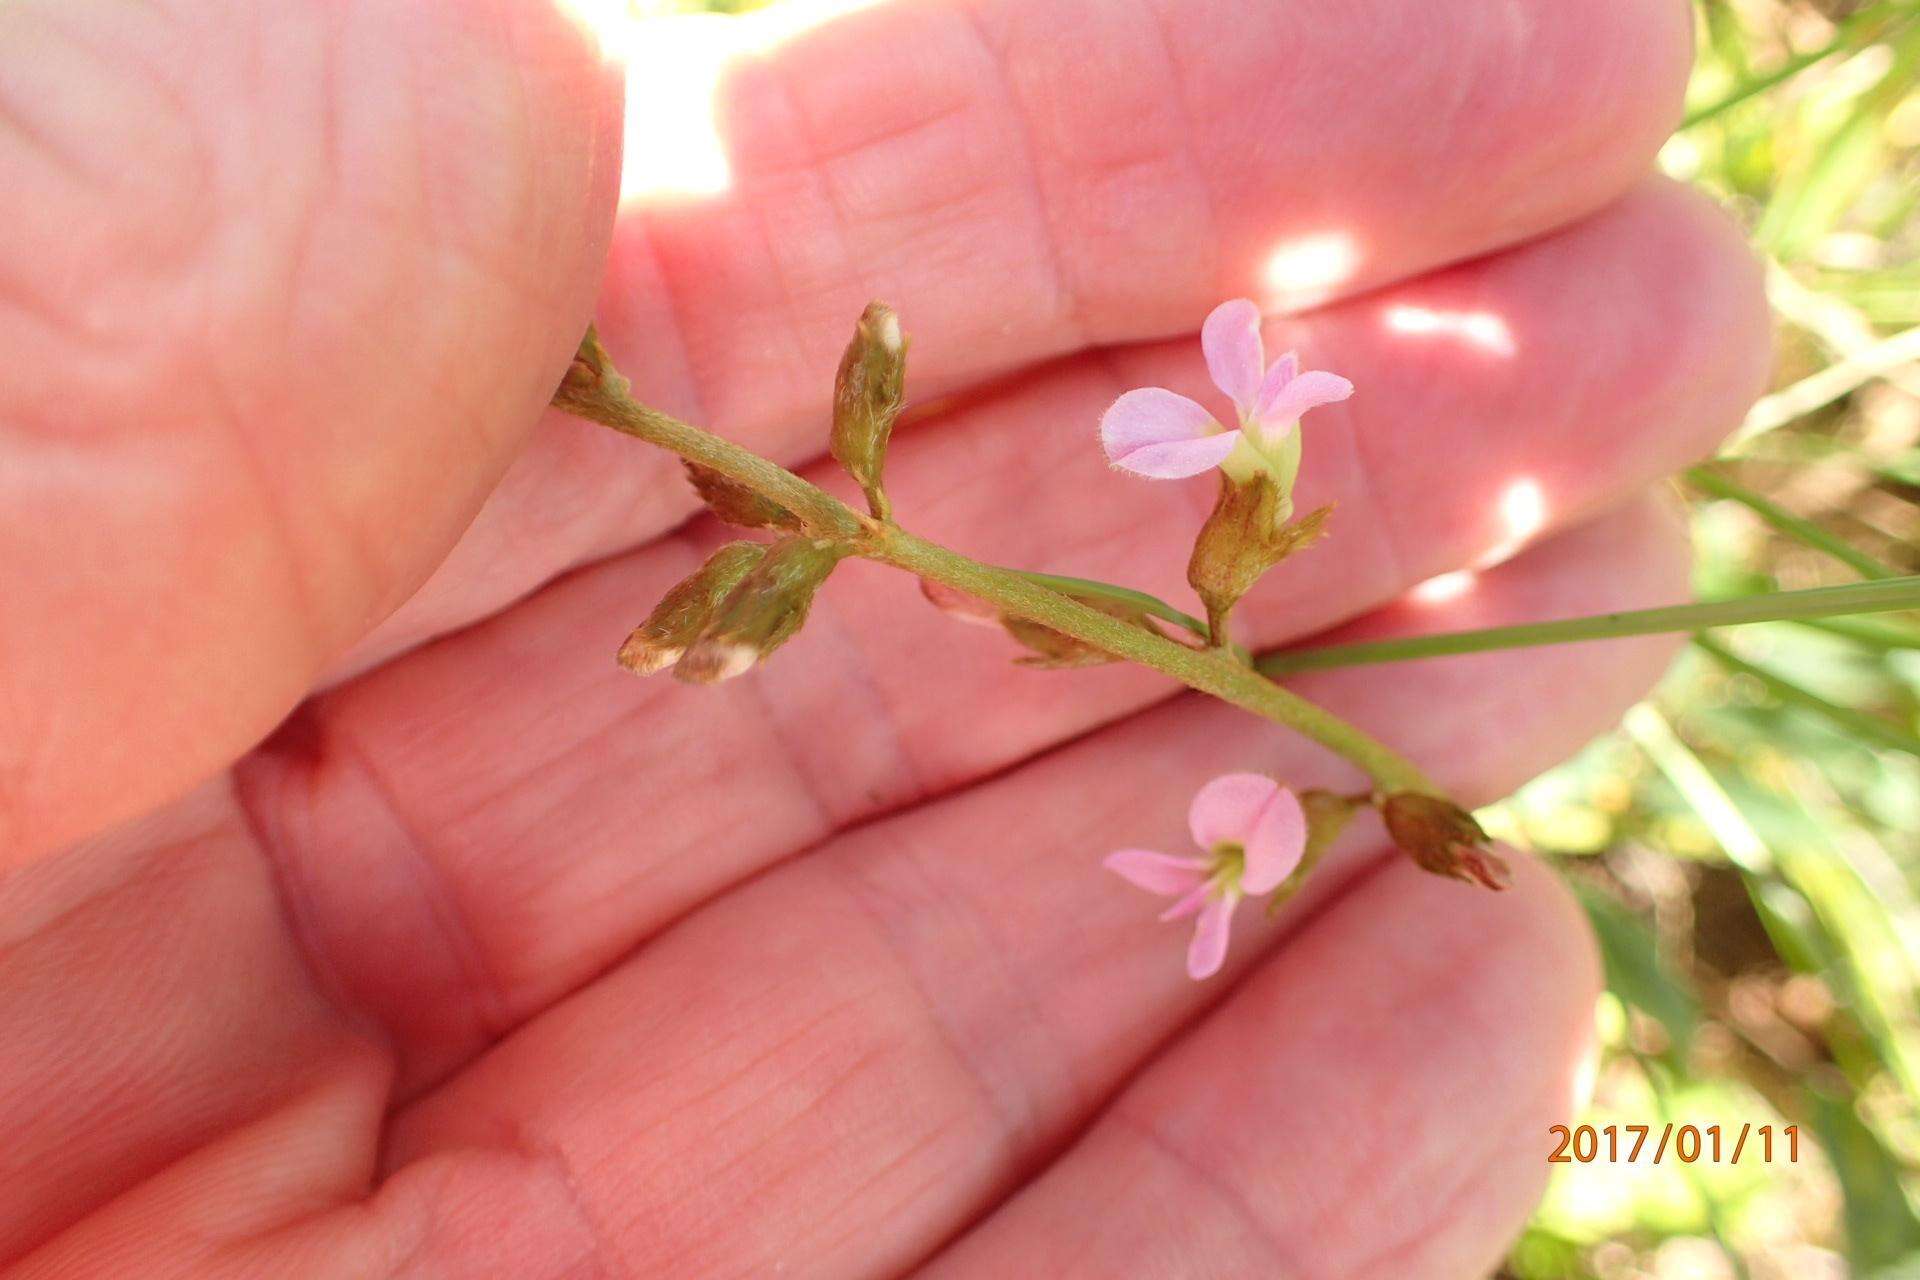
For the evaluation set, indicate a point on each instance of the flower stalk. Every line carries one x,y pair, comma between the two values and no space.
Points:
594,390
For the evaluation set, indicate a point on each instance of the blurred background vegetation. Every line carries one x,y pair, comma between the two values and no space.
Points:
1748,842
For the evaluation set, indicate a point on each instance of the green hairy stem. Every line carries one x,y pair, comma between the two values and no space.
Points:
594,391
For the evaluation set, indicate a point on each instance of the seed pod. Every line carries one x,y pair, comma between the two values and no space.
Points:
956,603
1055,650
1443,839
736,504
867,395
763,611
1050,650
677,621
1047,648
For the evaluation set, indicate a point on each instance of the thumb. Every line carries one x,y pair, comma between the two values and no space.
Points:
283,287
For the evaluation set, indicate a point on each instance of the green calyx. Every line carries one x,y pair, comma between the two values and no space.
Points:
1247,534
1273,456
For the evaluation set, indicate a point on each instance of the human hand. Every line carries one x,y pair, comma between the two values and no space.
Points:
492,961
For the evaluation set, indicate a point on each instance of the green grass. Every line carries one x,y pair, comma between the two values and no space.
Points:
1749,844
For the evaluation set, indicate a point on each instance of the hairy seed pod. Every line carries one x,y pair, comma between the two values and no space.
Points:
763,612
684,612
867,396
736,504
1443,839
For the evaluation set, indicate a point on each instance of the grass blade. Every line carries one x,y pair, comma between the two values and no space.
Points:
1883,596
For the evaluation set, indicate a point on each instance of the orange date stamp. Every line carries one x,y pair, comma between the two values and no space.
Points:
1686,1143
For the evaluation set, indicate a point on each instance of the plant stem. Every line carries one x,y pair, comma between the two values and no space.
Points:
1855,31
593,390
609,405
1873,635
1849,720
1818,602
1700,789
1716,484
1211,671
1218,616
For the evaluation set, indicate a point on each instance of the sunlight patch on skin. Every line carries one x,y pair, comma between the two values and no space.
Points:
605,20
1522,512
1307,271
1681,158
1444,588
677,66
1481,330
674,72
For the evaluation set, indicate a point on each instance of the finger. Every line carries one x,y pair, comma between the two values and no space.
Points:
152,997
1106,171
170,964
941,999
275,328
255,1201
1027,180
1372,1104
431,792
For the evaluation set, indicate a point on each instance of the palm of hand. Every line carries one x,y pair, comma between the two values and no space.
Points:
493,962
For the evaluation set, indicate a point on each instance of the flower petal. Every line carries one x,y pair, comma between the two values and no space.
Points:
1181,459
1308,391
1284,370
1236,357
1274,847
1160,873
1159,433
1208,950
1189,904
1228,808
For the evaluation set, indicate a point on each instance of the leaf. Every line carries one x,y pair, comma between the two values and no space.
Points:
1882,1230
1636,973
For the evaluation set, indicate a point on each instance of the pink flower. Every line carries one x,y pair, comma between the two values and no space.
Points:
1159,433
1253,831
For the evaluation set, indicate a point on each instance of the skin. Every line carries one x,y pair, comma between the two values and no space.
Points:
359,918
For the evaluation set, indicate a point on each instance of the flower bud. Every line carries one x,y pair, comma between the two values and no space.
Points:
1244,538
763,611
736,504
684,612
589,375
1444,839
867,396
